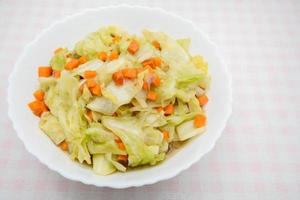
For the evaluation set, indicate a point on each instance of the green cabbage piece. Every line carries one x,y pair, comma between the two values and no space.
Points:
181,84
187,130
140,98
47,83
188,78
79,150
164,147
98,133
185,94
123,45
179,89
130,133
184,43
124,110
59,60
152,136
152,118
200,63
116,164
194,106
183,74
120,95
90,46
168,91
107,33
101,140
145,52
181,108
107,147
63,102
182,114
92,65
65,105
86,94
172,133
178,119
100,40
109,68
103,105
173,54
51,127
102,166
158,36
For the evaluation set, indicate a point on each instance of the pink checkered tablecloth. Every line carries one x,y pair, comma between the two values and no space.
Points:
258,155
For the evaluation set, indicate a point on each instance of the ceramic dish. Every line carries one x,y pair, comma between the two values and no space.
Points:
132,18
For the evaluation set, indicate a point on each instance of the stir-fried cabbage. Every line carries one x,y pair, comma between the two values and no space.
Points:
123,99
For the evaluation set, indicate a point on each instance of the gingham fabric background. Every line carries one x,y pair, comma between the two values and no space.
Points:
258,155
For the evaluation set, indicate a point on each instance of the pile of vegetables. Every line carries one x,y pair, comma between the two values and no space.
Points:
117,100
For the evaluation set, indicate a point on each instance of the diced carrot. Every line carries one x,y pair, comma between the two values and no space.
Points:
102,56
146,86
156,44
169,109
57,50
72,64
159,109
199,121
37,107
90,114
148,62
118,140
89,74
116,39
43,108
121,146
152,62
203,99
156,61
118,78
152,96
122,157
133,47
165,135
56,74
64,145
129,73
39,95
91,83
82,60
96,90
155,80
113,55
45,71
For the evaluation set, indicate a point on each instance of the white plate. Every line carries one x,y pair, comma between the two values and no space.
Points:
23,81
